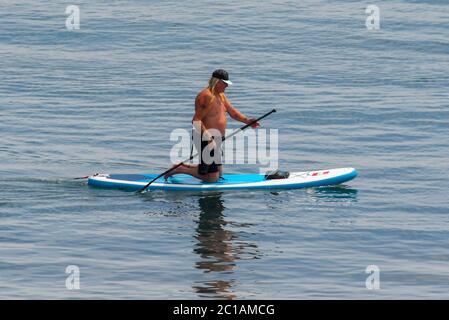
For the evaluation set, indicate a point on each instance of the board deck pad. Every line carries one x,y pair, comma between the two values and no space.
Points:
134,182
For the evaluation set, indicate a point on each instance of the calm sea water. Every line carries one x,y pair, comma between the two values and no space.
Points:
105,98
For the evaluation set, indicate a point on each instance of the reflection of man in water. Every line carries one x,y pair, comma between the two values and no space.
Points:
214,246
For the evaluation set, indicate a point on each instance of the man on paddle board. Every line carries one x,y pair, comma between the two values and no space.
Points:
211,106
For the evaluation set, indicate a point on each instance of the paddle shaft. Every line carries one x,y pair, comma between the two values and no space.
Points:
193,156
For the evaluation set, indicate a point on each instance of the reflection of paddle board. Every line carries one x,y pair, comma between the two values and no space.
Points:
134,182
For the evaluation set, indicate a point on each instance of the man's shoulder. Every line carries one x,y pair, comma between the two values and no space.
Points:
204,96
204,93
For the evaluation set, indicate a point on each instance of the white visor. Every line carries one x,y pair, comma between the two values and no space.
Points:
229,82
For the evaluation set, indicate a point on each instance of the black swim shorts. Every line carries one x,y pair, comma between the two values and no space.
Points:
204,168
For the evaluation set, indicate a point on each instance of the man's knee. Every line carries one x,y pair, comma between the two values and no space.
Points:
213,177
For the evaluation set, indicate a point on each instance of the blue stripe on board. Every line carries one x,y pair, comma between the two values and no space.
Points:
186,179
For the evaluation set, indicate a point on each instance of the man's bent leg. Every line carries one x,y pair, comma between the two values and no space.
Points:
213,177
190,170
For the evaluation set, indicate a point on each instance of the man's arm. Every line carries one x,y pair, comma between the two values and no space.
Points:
237,115
201,110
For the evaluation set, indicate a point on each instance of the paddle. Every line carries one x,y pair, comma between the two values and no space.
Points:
193,156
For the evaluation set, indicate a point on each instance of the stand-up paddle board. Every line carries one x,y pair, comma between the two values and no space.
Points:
293,180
